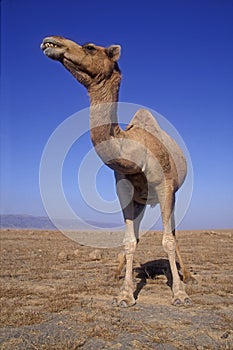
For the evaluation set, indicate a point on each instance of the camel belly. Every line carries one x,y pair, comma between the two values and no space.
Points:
144,192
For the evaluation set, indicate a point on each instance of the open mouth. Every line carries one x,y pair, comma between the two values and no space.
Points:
52,48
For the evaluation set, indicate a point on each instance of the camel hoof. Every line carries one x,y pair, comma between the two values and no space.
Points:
187,302
123,303
177,302
114,302
182,302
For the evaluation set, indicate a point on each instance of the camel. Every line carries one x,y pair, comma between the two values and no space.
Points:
149,166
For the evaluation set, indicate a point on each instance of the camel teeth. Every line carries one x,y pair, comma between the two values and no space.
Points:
50,45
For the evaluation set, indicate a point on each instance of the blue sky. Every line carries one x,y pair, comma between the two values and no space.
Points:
176,59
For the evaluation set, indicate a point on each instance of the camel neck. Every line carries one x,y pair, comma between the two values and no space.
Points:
103,108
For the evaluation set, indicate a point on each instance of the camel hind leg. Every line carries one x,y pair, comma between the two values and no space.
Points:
186,274
167,203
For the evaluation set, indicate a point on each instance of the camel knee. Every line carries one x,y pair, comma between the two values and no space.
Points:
130,247
169,243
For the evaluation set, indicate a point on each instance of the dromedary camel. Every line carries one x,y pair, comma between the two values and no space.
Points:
149,166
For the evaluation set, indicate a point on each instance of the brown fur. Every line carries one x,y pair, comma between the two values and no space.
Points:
142,153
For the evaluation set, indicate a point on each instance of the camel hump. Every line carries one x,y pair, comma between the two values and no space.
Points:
145,120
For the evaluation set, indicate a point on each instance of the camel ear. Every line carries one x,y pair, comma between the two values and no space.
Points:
114,52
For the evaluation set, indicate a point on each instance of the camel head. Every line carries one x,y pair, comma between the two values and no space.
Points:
89,64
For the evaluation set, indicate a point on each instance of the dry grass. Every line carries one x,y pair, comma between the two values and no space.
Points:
53,296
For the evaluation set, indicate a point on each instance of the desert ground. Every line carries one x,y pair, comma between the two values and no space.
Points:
57,294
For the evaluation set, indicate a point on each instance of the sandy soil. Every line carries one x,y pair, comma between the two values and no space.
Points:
57,294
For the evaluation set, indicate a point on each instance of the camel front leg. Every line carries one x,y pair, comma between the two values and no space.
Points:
167,202
130,212
138,212
126,295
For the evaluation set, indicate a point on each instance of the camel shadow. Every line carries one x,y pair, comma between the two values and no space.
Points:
151,270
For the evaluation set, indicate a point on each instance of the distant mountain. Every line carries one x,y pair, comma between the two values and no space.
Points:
44,223
26,221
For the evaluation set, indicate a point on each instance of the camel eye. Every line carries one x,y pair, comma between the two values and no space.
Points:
90,48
